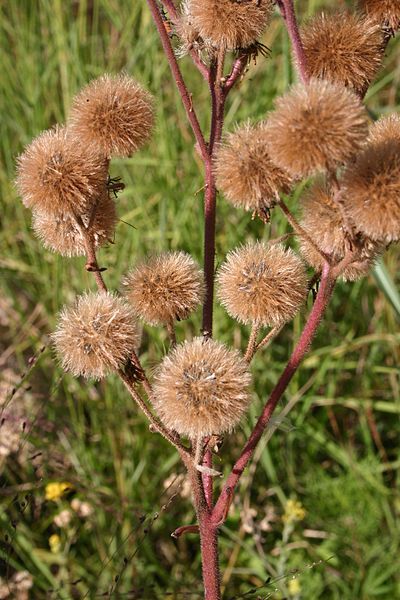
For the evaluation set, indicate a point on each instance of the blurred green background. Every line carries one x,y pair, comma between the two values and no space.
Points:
317,514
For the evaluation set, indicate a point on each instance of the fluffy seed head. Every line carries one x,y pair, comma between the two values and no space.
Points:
323,222
245,172
113,112
315,127
60,233
385,129
201,388
96,335
371,191
385,12
230,24
189,36
57,175
262,284
165,288
343,47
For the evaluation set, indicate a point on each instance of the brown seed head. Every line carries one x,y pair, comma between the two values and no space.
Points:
190,38
316,127
60,233
96,335
344,48
114,113
385,129
323,222
245,172
165,288
385,12
230,24
201,388
371,191
262,284
57,175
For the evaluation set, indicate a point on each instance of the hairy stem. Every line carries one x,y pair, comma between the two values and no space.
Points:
289,15
252,343
322,299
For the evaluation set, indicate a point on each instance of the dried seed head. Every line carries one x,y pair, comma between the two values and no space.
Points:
188,33
57,175
315,127
262,284
201,388
96,335
245,172
385,129
165,288
60,233
385,12
344,48
113,112
371,191
230,24
323,222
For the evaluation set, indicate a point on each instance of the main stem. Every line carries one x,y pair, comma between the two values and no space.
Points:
289,15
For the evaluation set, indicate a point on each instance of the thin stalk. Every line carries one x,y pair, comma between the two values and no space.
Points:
252,343
269,337
310,328
171,333
289,16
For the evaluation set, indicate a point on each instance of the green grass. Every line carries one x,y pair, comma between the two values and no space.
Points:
337,451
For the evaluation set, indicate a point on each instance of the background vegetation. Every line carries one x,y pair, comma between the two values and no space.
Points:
336,451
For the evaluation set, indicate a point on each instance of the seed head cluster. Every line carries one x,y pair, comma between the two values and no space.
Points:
96,335
56,175
245,171
61,233
201,388
322,220
165,288
113,112
343,47
230,24
315,127
262,284
385,12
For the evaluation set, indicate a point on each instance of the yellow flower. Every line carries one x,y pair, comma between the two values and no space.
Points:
294,587
55,490
294,511
55,543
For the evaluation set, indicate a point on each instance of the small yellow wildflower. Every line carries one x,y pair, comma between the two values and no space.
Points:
55,543
55,490
294,511
294,587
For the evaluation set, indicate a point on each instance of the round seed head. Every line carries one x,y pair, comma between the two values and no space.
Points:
315,127
262,284
165,288
344,48
201,388
371,191
114,113
189,36
59,233
323,222
385,12
230,25
385,129
96,335
245,172
57,175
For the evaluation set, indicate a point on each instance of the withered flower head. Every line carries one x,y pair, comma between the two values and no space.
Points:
322,220
165,287
230,24
315,127
60,233
385,12
201,388
57,175
385,129
262,284
189,36
343,47
114,113
371,191
96,335
245,172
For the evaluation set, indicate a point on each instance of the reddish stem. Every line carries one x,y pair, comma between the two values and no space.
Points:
207,480
301,349
289,16
209,554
